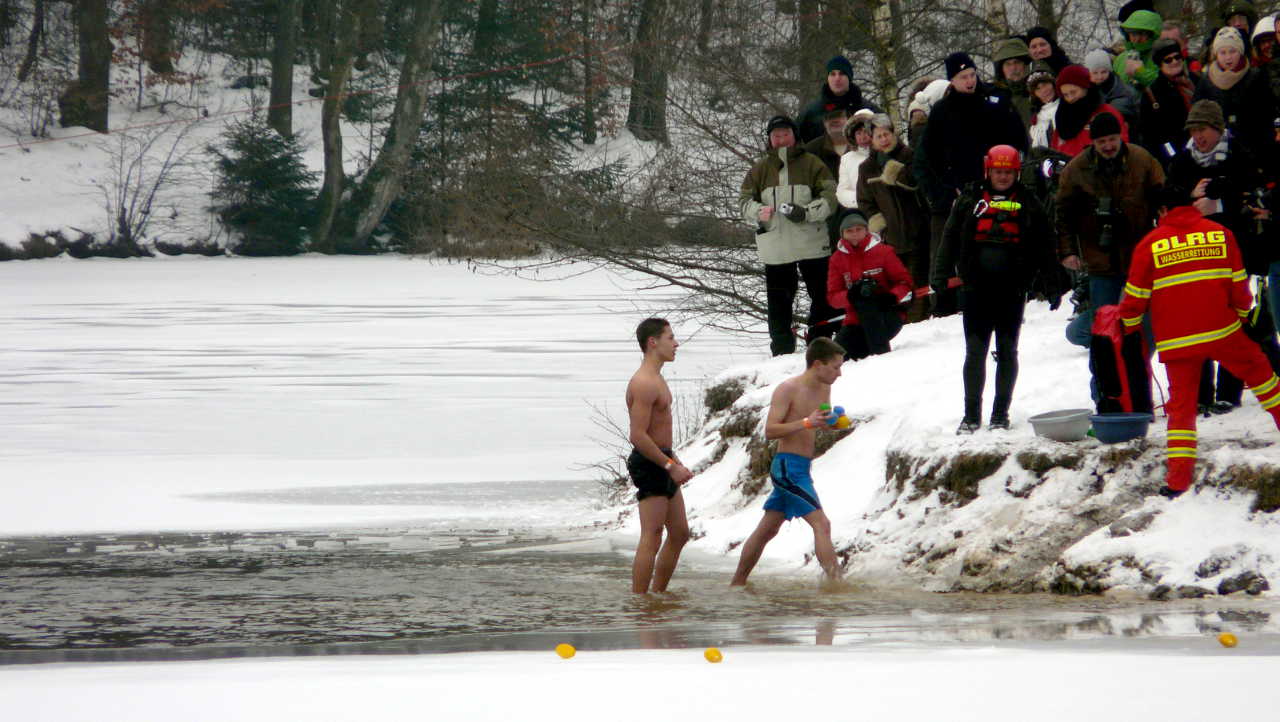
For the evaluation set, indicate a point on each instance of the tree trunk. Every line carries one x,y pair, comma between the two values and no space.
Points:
383,183
157,35
345,17
283,52
8,20
810,60
85,101
706,15
33,42
647,112
1046,17
886,59
997,21
588,74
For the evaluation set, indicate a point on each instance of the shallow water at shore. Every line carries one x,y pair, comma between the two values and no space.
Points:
208,596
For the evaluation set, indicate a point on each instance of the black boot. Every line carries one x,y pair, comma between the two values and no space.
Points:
972,420
999,414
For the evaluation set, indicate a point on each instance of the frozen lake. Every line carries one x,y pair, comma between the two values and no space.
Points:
210,459
136,388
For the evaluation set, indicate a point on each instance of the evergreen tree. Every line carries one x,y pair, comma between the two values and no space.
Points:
264,191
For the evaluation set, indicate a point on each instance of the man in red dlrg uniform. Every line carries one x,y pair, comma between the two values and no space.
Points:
1189,272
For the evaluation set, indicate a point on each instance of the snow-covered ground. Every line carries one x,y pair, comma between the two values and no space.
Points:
894,682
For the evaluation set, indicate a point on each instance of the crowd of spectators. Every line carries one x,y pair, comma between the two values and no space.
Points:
1037,184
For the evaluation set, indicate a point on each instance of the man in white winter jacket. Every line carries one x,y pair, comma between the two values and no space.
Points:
787,196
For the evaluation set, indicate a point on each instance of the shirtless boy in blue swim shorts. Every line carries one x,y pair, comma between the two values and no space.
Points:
794,416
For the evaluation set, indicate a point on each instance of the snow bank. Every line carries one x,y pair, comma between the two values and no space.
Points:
913,504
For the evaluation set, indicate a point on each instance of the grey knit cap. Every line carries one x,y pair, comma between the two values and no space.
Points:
852,218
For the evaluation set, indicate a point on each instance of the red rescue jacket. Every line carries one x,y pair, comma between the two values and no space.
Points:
873,259
1189,272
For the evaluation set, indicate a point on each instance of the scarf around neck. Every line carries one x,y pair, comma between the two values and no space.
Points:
1216,155
1071,118
1226,79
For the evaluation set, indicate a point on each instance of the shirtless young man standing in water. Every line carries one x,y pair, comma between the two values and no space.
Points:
655,470
794,415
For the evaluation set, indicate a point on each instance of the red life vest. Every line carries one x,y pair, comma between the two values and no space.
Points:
997,219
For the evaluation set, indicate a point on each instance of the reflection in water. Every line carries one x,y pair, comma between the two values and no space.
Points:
200,596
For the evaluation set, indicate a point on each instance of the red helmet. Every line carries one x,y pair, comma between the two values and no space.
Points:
1002,156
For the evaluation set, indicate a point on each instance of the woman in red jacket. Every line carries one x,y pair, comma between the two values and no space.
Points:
1080,103
866,279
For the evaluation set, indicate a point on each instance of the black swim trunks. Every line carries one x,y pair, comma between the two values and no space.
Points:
649,478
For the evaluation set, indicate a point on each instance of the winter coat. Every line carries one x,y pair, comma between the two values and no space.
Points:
1147,74
961,128
1248,106
872,259
1164,113
789,175
847,185
1189,272
1131,181
1231,179
961,251
823,148
894,207
1057,59
1123,97
811,116
1082,140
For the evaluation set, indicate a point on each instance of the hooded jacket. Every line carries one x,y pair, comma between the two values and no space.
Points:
810,120
873,259
789,175
1188,271
1057,59
1019,96
1131,181
1147,21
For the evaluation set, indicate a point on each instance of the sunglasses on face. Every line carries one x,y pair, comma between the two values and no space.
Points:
1171,60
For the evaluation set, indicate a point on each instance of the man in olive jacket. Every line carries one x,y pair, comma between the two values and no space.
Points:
787,196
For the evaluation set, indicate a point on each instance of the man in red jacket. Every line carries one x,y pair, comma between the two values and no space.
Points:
1189,273
866,279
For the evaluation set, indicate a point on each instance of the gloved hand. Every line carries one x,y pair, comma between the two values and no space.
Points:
793,212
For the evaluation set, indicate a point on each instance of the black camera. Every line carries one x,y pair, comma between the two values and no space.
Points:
1106,218
867,288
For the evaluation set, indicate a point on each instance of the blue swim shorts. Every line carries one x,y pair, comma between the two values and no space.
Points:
793,493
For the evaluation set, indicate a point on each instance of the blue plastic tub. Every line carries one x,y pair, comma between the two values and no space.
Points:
1115,428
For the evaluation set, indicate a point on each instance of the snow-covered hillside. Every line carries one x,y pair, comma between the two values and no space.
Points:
913,504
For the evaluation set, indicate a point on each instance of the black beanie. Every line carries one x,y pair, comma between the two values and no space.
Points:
842,64
781,121
956,62
1103,124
